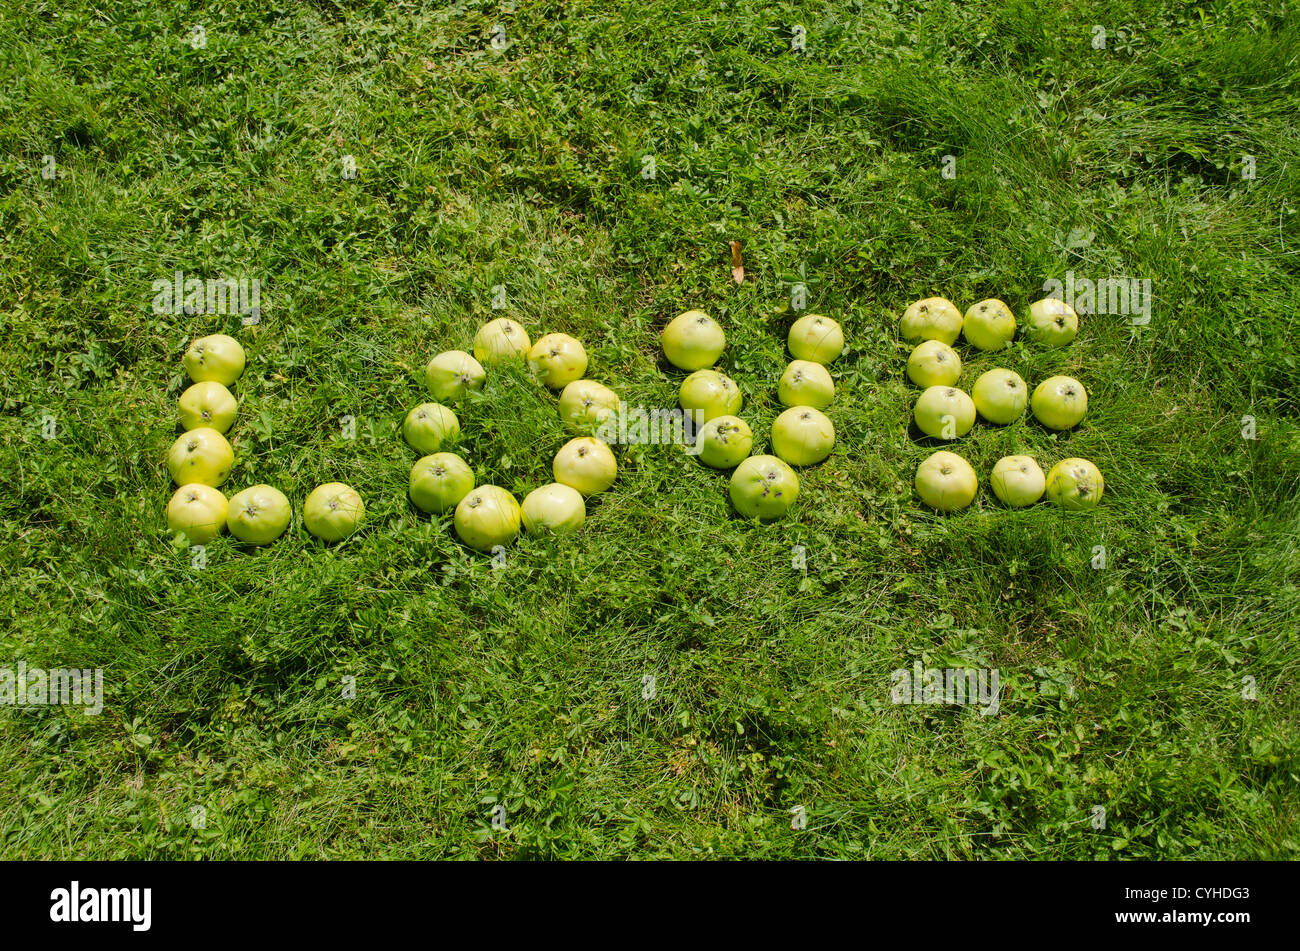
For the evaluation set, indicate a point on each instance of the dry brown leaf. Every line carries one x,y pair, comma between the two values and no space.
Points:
737,265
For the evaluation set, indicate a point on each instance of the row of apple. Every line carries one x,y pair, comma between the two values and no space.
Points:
999,396
947,483
201,458
945,480
989,324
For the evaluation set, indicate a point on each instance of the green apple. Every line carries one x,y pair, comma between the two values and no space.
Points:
989,325
217,357
803,436
693,341
554,508
440,481
816,339
805,383
1017,481
200,455
428,426
586,464
1053,322
333,511
944,412
258,515
452,374
585,404
1059,402
208,404
1000,396
557,360
946,482
501,340
933,363
723,441
934,318
763,487
198,511
711,393
488,516
1075,484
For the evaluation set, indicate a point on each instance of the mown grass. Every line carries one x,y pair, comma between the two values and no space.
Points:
525,686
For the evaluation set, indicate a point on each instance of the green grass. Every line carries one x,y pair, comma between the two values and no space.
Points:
523,686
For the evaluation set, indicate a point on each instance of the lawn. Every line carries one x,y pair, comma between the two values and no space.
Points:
672,681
